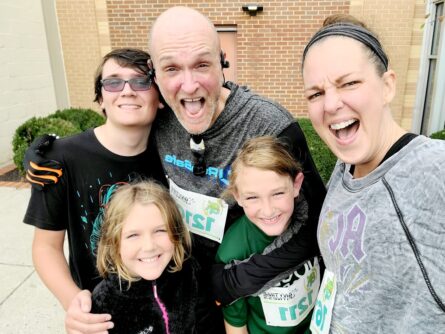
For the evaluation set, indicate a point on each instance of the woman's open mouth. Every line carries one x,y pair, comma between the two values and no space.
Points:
346,129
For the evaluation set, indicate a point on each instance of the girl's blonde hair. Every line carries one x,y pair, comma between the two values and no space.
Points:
266,153
109,260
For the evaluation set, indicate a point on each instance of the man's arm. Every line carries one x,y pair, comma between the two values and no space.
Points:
50,263
41,171
313,187
248,277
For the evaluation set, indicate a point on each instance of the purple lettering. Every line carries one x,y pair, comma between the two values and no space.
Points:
354,234
334,242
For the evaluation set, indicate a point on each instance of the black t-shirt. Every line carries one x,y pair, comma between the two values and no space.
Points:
74,203
398,145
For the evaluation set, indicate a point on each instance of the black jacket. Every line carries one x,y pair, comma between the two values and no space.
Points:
135,311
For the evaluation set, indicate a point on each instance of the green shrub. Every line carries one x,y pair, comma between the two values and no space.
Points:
81,118
36,127
323,157
438,135
63,123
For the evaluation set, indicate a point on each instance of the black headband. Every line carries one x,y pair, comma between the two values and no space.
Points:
353,31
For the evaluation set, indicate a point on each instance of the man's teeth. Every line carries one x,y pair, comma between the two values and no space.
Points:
342,125
193,106
193,100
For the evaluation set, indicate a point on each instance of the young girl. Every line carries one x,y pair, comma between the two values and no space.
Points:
265,181
150,282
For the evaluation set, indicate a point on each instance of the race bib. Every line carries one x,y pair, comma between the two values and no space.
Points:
204,215
290,303
321,318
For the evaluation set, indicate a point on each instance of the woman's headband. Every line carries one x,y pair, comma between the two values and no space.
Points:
353,31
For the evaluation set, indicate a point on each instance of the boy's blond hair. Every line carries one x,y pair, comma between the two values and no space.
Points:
266,153
146,192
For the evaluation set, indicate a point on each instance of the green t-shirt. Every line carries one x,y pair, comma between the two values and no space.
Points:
241,240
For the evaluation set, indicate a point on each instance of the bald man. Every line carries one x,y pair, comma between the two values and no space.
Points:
198,135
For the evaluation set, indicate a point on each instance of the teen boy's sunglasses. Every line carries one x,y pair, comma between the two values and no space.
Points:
117,84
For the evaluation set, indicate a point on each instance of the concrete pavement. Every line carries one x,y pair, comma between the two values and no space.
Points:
26,305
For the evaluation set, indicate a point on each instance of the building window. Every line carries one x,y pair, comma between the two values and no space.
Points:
430,99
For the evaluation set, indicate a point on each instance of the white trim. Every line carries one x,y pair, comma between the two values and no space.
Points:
423,70
437,116
56,54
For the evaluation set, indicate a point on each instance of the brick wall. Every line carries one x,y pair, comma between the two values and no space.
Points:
397,24
81,44
412,75
269,44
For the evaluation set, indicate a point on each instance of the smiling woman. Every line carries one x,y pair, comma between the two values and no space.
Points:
362,132
380,208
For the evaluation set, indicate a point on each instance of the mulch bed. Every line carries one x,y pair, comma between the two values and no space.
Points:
12,176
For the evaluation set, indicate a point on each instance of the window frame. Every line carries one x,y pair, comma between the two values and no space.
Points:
436,120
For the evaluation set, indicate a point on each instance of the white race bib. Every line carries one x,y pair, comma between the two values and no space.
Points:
204,215
288,305
321,318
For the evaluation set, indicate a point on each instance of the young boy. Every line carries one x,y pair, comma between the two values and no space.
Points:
266,183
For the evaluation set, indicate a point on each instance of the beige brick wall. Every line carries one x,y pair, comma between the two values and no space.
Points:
397,24
412,76
85,38
26,85
269,44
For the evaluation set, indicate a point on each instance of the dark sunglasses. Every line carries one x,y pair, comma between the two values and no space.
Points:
198,149
117,84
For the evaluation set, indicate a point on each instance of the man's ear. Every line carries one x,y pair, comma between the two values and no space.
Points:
297,183
151,70
389,81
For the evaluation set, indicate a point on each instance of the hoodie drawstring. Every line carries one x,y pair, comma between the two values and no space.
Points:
162,307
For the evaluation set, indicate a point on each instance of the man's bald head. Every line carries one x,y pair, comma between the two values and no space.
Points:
181,21
185,52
